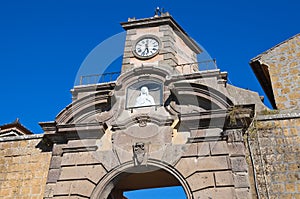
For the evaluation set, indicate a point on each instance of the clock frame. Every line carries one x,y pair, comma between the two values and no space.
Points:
151,42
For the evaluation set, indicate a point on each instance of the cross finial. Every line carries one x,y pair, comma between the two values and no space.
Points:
158,11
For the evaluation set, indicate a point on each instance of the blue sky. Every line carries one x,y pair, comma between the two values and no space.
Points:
160,193
43,43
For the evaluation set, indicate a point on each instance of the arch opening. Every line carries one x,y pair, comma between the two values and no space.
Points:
141,181
157,193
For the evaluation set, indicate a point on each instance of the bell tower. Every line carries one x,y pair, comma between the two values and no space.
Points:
158,40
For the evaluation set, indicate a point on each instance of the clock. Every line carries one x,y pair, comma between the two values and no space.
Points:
146,47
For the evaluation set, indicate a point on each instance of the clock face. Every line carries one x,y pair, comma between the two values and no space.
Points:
147,47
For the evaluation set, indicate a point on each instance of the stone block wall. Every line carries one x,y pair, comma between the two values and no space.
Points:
75,169
283,63
275,148
24,165
213,167
217,169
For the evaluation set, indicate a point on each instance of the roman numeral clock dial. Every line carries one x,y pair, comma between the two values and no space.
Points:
146,47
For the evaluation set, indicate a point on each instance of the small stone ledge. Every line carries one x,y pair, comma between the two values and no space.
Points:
282,116
22,137
131,32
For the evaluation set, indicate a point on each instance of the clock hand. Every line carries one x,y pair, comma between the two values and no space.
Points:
147,50
147,45
143,53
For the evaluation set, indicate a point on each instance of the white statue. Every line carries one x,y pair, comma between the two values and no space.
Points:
144,99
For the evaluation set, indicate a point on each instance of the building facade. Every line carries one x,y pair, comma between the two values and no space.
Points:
165,121
275,138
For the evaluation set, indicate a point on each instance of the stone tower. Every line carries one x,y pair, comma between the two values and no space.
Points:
173,46
162,123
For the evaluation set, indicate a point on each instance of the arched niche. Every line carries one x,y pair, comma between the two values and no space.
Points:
144,93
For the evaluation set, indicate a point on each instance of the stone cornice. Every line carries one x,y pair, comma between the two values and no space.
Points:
281,116
163,20
21,137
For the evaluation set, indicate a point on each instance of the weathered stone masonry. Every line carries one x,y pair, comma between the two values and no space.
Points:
275,144
24,165
278,70
275,135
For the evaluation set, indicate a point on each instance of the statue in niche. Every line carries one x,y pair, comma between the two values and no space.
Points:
144,99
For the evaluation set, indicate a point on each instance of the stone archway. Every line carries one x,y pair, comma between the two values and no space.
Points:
155,174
